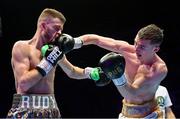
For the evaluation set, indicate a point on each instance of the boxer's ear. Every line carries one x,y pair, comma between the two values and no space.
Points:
43,25
156,49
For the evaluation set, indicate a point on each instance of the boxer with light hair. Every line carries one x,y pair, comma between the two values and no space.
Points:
34,63
33,73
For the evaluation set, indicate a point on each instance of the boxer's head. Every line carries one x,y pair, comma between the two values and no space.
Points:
152,33
148,41
51,13
50,22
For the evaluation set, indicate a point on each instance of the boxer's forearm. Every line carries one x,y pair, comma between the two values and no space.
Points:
89,39
28,80
127,91
72,71
78,73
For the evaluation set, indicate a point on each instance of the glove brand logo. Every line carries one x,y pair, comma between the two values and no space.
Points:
115,72
52,57
47,66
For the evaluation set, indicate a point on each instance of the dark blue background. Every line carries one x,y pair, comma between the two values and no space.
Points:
119,19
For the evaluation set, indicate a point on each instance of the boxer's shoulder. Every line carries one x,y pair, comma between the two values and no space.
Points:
20,46
23,42
160,67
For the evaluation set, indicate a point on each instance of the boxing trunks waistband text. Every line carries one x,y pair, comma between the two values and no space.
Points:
34,101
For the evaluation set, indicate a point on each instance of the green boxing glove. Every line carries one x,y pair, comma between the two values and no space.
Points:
51,55
97,75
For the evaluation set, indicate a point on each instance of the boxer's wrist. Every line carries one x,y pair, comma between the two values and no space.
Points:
92,73
120,81
78,43
87,72
44,67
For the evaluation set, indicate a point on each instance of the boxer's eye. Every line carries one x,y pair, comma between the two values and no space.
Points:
142,47
57,27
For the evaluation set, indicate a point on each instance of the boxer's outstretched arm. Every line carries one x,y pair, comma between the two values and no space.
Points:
96,74
72,71
107,43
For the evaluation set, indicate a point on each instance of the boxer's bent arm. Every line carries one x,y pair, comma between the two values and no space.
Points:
143,81
72,71
153,74
107,43
25,77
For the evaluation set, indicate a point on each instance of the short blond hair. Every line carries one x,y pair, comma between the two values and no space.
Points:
52,13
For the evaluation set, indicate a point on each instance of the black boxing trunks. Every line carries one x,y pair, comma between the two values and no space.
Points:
34,106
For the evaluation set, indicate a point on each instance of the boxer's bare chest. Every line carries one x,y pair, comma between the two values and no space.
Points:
34,57
46,84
